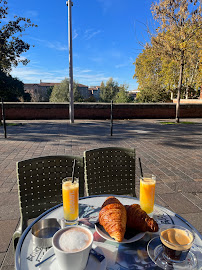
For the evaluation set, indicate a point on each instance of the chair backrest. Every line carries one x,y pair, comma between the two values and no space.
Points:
40,183
110,170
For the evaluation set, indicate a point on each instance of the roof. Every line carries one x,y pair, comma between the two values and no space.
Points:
30,84
40,84
82,85
48,84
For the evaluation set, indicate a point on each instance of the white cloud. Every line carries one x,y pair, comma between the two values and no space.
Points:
31,13
97,59
31,75
127,63
57,46
89,77
75,34
52,44
107,5
34,75
90,33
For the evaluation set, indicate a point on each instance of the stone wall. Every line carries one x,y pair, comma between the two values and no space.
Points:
188,101
46,110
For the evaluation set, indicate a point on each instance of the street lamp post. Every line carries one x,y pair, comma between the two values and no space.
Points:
69,3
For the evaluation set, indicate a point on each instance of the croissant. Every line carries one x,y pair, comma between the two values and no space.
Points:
138,219
113,218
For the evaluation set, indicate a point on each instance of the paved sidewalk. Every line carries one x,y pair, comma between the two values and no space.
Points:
172,152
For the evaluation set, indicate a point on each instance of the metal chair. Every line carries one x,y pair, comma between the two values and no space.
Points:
110,170
40,185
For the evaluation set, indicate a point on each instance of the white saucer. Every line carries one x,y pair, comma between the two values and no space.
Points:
100,230
93,263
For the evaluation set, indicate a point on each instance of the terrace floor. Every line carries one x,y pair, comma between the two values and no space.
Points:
172,152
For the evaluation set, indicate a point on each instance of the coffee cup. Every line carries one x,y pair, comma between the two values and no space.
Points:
72,246
176,242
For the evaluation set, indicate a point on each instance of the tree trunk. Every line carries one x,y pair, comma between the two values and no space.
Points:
177,119
187,92
171,95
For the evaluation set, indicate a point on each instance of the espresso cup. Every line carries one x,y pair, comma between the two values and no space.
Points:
176,242
72,246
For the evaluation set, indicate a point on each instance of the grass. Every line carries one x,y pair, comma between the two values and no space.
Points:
12,124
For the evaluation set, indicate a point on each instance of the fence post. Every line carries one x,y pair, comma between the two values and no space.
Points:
111,117
3,117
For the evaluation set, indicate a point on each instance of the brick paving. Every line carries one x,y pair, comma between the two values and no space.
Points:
171,152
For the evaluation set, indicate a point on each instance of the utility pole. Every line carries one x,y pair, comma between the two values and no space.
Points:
69,3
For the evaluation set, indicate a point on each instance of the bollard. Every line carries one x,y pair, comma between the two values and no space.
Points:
111,117
3,117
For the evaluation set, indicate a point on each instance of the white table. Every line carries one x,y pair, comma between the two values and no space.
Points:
28,255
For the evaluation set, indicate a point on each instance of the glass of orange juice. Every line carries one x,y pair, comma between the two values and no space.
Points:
147,192
70,196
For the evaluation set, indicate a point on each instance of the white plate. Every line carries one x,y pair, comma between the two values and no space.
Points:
93,263
100,230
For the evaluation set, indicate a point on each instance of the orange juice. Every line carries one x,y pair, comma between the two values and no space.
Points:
70,195
147,193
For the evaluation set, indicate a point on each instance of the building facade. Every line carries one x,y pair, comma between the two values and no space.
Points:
95,92
40,92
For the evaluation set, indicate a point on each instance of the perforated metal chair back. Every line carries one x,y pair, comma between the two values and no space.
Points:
110,170
40,185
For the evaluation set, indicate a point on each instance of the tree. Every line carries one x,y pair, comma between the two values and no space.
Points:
102,91
11,48
90,99
108,91
148,69
153,94
60,92
12,89
77,95
11,43
122,96
160,72
180,23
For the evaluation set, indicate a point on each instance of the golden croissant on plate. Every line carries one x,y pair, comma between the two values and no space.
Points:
113,218
138,219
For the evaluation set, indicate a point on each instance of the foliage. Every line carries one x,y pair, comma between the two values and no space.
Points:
49,91
90,99
12,89
11,43
153,94
108,91
173,58
112,91
11,48
122,96
60,92
148,69
77,95
180,24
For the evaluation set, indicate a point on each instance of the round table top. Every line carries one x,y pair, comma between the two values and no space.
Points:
118,256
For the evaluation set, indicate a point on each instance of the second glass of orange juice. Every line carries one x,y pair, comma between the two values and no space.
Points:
70,196
147,192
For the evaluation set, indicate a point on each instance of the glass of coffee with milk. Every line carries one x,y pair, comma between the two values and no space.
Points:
176,242
72,246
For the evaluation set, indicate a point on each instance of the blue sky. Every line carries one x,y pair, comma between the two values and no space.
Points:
106,37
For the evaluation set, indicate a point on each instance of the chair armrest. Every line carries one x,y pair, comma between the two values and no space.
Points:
16,236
